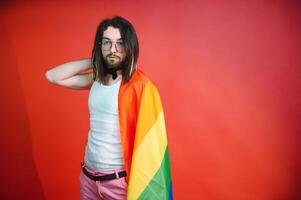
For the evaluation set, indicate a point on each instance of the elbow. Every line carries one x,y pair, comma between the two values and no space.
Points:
49,77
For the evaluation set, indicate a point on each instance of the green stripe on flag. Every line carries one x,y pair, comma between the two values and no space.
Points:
159,186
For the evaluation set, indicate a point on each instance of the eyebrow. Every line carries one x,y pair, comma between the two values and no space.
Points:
110,39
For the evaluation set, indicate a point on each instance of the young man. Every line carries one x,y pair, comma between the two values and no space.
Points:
126,155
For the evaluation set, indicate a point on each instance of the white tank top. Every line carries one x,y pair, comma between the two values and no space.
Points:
103,150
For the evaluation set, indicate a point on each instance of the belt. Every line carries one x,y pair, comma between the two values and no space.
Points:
106,177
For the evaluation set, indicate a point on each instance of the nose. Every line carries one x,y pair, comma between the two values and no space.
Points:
113,48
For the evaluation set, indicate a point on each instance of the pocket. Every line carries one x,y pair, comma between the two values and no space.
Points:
123,182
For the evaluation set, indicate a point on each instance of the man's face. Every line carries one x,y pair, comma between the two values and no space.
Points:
112,47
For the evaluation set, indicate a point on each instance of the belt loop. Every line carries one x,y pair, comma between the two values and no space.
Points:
116,173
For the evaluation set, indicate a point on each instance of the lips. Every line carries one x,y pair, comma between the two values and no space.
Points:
112,56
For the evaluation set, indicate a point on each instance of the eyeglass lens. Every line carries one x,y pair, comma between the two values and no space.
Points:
107,45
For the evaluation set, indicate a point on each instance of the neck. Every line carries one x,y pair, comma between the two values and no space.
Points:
108,78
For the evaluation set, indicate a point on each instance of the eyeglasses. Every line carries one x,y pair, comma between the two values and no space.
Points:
106,45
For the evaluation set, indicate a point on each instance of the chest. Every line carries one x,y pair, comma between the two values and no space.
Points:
103,99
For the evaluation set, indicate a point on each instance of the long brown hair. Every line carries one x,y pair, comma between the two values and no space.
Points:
130,40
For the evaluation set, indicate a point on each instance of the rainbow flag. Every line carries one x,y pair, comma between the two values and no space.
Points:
150,176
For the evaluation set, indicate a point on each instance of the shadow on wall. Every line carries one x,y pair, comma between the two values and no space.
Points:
19,177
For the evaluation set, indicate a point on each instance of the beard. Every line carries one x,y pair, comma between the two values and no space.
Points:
113,61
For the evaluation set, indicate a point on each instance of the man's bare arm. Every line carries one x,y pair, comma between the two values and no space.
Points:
68,74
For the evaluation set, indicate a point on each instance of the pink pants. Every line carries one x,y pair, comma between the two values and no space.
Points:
107,190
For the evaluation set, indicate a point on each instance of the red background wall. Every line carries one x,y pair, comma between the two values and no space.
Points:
228,74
